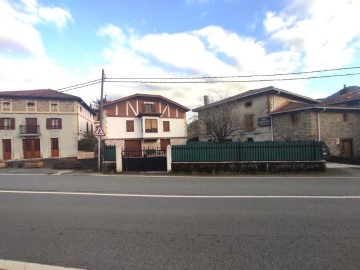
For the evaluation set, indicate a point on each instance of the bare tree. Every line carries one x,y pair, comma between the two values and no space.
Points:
219,122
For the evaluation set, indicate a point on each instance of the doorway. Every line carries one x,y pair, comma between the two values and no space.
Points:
31,148
346,147
54,147
6,149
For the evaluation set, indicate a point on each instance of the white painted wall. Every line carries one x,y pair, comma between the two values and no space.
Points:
68,135
84,117
115,128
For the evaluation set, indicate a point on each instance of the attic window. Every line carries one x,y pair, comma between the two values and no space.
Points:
30,103
6,104
248,104
54,107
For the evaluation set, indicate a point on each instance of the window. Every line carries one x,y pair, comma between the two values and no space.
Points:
295,118
130,126
7,123
151,126
345,117
54,107
6,104
53,123
30,103
248,104
166,126
249,122
148,108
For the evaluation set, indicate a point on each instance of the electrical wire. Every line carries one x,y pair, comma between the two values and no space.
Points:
235,76
170,81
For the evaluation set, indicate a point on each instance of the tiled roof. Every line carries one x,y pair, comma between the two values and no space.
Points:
40,93
290,106
346,89
254,92
146,96
344,98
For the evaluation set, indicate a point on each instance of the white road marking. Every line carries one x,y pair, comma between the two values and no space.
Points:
183,196
14,265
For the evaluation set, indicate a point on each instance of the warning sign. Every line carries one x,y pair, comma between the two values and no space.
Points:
99,132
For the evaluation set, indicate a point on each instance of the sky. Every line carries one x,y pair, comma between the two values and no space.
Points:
60,43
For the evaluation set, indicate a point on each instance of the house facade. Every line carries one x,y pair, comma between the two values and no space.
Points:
144,121
335,121
251,111
42,124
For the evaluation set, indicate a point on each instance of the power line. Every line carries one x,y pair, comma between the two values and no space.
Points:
235,76
172,81
80,85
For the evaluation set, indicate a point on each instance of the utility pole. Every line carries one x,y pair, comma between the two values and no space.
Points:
101,118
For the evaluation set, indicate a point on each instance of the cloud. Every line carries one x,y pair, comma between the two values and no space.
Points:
22,51
210,51
20,35
323,31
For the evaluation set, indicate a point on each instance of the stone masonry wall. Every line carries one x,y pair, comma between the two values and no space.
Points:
42,105
333,128
19,105
66,106
285,130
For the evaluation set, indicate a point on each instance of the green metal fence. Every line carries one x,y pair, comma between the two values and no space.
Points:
109,153
247,151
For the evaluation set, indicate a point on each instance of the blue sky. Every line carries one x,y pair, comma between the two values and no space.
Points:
59,43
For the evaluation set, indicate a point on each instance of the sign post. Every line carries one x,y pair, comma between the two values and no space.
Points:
98,133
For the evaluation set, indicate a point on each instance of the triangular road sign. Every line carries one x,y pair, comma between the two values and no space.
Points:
99,132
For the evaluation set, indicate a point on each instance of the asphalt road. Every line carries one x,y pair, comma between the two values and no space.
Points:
110,222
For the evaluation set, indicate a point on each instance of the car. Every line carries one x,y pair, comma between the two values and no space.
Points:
325,151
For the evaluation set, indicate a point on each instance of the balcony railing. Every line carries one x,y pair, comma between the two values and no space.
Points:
29,129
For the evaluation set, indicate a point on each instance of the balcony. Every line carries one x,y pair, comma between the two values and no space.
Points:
29,130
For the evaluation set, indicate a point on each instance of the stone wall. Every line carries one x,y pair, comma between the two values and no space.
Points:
66,106
333,128
19,105
285,130
42,105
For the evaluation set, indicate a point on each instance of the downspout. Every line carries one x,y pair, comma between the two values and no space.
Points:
318,123
271,128
271,120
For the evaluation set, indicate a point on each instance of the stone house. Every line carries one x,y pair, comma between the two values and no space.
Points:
42,124
144,121
251,110
337,125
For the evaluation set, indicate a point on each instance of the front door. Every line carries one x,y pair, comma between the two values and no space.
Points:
31,125
6,149
31,148
164,143
132,148
54,147
346,147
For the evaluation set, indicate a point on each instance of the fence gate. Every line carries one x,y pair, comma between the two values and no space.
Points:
143,160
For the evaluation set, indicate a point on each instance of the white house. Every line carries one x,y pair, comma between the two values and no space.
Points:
144,121
42,124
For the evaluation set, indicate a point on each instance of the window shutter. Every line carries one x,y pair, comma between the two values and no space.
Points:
129,126
12,123
60,123
48,123
1,123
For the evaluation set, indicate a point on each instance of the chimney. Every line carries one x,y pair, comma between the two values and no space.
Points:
206,100
344,90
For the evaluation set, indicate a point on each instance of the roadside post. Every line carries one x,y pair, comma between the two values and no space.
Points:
99,133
